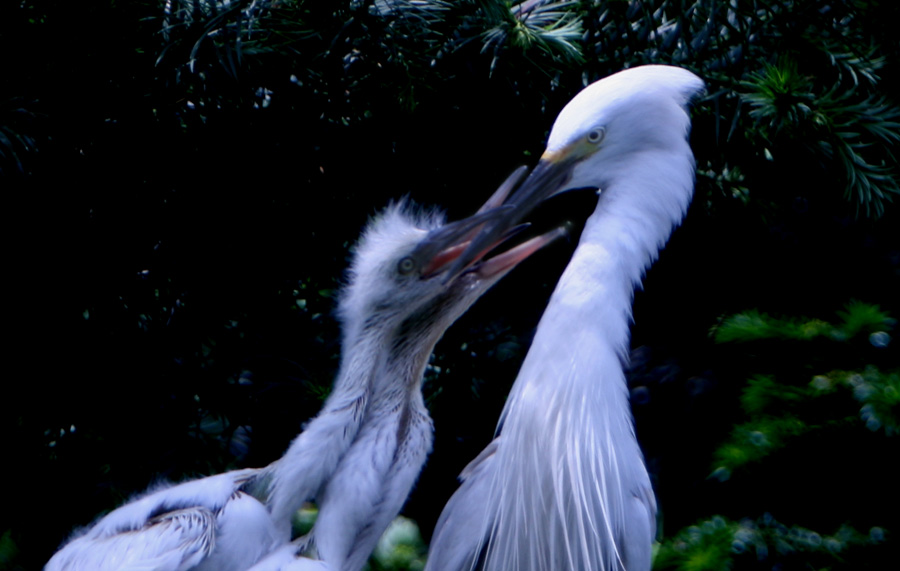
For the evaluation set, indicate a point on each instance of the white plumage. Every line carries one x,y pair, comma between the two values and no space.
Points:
371,436
179,527
563,485
375,476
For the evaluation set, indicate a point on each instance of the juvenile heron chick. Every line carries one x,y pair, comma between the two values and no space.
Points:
394,308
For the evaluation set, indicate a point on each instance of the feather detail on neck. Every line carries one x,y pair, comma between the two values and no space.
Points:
571,395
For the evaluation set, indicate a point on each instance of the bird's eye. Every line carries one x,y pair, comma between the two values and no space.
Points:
596,135
406,265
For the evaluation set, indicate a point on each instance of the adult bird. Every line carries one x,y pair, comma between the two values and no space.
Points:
396,305
563,484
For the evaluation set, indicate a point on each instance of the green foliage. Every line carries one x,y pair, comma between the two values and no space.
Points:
362,41
752,326
864,318
783,75
821,93
780,410
400,548
304,520
719,544
699,548
858,318
861,136
779,96
820,389
877,392
755,440
855,133
554,28
8,549
763,392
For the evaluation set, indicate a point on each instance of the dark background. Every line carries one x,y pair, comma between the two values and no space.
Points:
176,235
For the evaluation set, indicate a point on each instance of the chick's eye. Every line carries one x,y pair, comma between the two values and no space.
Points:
596,135
406,265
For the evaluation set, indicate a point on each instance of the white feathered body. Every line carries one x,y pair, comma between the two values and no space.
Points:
373,481
564,485
231,521
209,523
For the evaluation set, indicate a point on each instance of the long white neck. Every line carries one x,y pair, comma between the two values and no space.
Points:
569,406
375,476
378,368
313,456
589,314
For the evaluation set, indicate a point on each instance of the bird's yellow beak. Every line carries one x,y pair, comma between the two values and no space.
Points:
548,177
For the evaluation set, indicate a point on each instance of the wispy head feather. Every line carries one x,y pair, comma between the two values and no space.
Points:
397,228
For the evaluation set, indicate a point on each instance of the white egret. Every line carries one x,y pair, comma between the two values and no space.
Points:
563,485
394,309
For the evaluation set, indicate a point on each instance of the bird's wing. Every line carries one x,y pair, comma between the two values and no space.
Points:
176,540
555,490
458,539
173,528
475,466
639,527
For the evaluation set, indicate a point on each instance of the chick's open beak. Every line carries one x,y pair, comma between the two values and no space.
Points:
456,247
495,266
547,178
502,263
443,259
445,244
